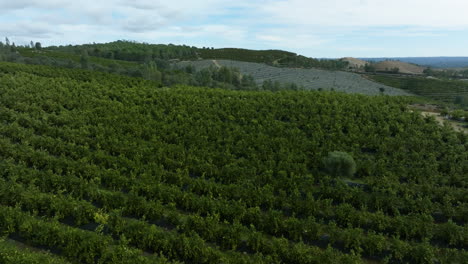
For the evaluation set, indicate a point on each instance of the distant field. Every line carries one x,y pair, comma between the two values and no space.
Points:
311,79
440,90
436,62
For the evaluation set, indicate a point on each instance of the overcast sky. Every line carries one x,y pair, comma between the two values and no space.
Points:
315,28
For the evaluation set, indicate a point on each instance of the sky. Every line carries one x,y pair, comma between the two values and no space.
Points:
314,28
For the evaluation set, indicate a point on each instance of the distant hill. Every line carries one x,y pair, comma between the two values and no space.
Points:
311,79
435,62
403,67
141,52
354,64
436,89
278,58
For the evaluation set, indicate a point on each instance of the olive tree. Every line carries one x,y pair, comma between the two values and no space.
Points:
339,164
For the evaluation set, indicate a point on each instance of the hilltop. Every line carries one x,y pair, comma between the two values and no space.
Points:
274,69
355,64
403,67
435,62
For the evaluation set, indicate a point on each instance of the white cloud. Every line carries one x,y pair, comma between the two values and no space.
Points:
270,38
375,13
304,26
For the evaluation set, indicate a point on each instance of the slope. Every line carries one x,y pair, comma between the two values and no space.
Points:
445,91
387,66
103,171
311,79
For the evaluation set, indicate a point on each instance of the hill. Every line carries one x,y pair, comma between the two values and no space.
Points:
441,90
104,168
142,52
435,62
310,79
277,58
406,68
354,64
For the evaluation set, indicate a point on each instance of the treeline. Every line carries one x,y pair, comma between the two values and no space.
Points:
132,51
143,52
158,70
272,57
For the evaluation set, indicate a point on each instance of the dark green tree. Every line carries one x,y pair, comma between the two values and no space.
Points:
84,60
150,72
38,46
369,67
203,78
339,164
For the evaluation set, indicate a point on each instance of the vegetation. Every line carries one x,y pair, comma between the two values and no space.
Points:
105,168
447,73
309,79
277,58
157,70
339,164
142,52
442,90
11,254
131,51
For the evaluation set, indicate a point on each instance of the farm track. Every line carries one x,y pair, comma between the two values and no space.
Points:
457,126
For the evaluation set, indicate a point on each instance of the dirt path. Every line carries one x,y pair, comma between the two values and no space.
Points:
456,126
215,62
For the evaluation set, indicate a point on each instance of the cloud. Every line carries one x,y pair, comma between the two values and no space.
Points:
6,6
303,26
375,13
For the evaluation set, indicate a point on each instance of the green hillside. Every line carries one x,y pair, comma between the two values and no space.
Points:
276,58
104,168
308,79
442,90
139,52
131,51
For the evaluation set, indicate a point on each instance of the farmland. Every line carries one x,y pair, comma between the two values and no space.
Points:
311,79
445,91
104,168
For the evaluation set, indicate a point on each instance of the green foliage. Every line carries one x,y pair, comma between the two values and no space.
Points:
105,168
293,78
10,254
436,89
131,51
339,164
369,67
84,60
271,57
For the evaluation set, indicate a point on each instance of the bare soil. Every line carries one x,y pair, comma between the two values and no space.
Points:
433,110
402,66
215,62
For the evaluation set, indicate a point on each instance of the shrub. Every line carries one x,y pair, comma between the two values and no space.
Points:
339,163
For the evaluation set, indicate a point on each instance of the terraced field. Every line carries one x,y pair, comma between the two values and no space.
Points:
311,79
435,89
